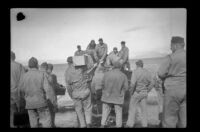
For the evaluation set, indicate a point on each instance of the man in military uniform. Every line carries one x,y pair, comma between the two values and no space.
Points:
17,71
47,69
101,50
37,92
124,56
141,83
173,71
115,83
77,83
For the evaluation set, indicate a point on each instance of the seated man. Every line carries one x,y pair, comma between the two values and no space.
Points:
91,51
112,57
79,52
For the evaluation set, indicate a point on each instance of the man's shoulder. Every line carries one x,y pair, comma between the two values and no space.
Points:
126,48
16,64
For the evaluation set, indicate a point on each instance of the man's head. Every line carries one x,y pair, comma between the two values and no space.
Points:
139,63
12,55
92,44
44,66
79,47
177,43
123,44
115,50
70,60
50,68
33,63
101,41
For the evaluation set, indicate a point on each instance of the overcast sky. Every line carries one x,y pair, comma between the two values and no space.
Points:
53,34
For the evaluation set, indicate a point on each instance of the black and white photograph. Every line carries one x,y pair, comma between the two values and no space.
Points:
98,68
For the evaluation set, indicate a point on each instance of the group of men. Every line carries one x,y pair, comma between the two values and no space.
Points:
37,89
33,90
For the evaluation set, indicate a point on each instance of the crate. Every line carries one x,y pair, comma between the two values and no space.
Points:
80,60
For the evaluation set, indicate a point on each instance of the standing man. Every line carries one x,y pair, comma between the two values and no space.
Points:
124,56
115,84
17,71
53,81
101,50
77,83
141,83
79,52
36,90
173,71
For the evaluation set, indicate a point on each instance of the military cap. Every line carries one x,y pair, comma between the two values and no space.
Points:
115,48
123,42
44,65
70,59
139,63
33,62
100,39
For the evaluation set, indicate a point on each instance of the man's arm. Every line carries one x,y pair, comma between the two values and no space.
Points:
151,83
125,57
95,55
50,94
133,83
68,86
105,52
164,68
125,86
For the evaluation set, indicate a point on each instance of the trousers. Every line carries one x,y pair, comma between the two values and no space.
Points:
137,99
13,109
106,111
40,117
83,110
174,110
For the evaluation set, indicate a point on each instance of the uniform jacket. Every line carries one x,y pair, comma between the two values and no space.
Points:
124,54
93,54
173,69
112,57
101,50
141,80
35,89
79,53
17,71
54,84
77,82
115,83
